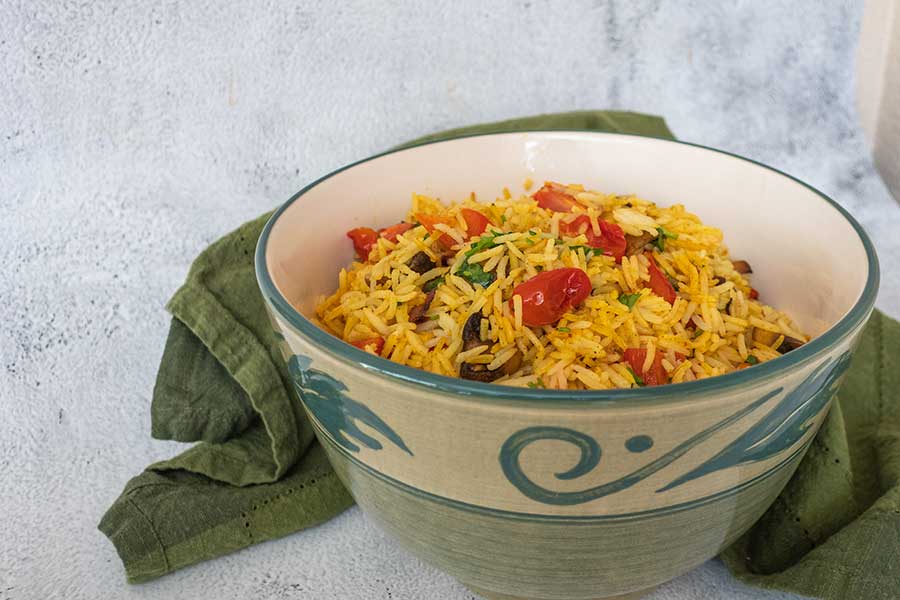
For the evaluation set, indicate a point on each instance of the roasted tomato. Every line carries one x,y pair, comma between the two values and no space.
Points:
554,196
659,283
429,222
364,238
655,375
549,295
373,345
611,239
391,233
476,222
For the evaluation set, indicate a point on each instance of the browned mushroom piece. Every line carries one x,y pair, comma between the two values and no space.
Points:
417,313
789,344
635,243
742,266
471,333
477,372
471,336
764,336
420,263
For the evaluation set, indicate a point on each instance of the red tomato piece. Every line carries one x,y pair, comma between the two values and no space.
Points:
549,295
373,345
659,283
611,239
554,196
753,294
476,222
364,238
655,375
429,222
391,233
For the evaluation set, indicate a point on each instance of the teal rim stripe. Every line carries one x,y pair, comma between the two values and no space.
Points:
671,393
573,519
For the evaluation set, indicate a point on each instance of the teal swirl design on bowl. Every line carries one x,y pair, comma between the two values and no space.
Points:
781,428
324,396
590,458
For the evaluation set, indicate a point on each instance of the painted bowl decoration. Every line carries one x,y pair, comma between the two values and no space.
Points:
534,493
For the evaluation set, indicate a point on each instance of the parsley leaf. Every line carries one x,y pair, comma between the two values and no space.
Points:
475,274
432,285
589,251
629,300
663,233
637,379
752,359
537,383
564,329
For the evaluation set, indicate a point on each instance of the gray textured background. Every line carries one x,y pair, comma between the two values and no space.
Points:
132,134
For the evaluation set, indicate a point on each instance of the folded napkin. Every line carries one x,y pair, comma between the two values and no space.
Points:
257,472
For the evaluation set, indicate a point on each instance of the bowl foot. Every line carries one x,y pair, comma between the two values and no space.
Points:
498,596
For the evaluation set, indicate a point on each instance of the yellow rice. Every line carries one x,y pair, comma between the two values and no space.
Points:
707,331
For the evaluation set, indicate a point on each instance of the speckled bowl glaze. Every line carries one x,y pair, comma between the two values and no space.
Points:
546,494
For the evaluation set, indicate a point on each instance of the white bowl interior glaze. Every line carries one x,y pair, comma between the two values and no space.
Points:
807,258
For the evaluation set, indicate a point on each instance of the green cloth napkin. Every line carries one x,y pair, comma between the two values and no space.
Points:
257,472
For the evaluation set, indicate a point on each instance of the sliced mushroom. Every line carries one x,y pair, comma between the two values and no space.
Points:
636,243
471,333
764,336
417,313
476,372
789,344
420,263
742,266
471,336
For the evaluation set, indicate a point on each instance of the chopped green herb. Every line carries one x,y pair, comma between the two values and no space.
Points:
663,233
532,232
537,383
629,300
637,379
673,281
432,285
475,274
698,333
434,317
529,241
503,218
564,329
752,359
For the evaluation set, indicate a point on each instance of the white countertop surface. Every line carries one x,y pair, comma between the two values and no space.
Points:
132,136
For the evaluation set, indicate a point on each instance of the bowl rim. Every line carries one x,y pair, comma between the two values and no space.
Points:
668,394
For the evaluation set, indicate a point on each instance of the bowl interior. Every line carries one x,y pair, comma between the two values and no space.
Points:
807,257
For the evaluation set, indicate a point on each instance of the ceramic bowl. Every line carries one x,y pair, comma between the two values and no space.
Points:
548,494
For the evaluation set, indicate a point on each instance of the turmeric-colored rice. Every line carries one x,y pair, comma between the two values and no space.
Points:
712,327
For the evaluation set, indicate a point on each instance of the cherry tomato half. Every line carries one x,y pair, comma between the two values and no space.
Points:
549,295
373,345
655,375
611,239
554,196
429,222
364,238
476,222
391,233
659,283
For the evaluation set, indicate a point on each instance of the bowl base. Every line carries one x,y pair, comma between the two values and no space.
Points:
497,596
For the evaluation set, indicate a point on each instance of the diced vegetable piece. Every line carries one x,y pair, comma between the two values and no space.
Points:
550,294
